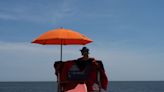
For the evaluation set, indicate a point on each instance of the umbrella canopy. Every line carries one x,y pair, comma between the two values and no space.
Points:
61,37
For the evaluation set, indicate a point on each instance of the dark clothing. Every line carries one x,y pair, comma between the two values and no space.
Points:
82,63
91,66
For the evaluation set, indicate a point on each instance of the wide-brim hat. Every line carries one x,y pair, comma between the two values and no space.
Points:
84,49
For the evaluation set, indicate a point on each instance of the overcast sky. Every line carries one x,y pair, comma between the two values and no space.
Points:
127,34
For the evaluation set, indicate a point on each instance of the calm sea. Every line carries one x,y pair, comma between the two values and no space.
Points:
115,86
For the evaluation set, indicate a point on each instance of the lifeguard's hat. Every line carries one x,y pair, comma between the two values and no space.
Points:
84,49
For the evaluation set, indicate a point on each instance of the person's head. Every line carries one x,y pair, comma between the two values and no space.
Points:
84,51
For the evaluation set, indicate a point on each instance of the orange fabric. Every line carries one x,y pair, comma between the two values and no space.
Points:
79,88
62,36
68,85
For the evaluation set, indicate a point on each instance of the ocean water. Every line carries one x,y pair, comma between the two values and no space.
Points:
115,86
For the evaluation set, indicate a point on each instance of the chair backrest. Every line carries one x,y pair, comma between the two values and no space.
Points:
74,73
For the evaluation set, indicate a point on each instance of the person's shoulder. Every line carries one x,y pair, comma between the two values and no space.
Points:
92,59
78,59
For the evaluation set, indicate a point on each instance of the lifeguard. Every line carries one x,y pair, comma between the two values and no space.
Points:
85,74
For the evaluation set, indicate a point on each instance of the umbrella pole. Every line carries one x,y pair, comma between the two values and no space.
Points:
61,51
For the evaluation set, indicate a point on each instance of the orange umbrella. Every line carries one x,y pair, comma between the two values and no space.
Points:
61,37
